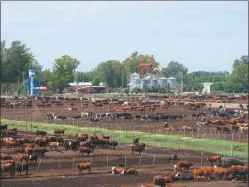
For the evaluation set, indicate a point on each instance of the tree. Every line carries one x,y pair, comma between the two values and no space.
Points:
240,71
174,69
15,60
132,63
110,72
63,69
96,81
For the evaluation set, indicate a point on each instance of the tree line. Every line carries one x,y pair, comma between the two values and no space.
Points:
18,58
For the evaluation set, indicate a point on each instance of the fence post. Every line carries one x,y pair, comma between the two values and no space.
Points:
201,159
59,164
140,159
231,150
73,162
178,144
154,159
39,165
125,160
232,136
107,162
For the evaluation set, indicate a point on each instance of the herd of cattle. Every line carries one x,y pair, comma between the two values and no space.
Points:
143,109
135,104
28,149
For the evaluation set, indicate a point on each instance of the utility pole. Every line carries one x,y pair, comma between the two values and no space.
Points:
182,82
122,82
122,74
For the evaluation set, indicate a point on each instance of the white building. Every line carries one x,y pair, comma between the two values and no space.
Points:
150,81
206,87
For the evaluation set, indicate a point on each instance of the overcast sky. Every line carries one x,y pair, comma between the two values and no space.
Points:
201,35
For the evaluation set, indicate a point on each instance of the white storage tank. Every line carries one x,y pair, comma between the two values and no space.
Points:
172,82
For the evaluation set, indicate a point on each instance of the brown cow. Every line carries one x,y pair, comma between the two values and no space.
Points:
61,131
222,172
5,157
85,150
53,145
84,165
22,157
204,171
138,148
9,167
12,144
212,159
161,181
183,164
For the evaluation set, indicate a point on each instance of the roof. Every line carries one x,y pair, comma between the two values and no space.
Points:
146,78
80,84
135,73
172,78
162,78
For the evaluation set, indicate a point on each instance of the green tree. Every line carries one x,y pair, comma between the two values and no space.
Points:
240,71
96,81
63,70
15,60
132,63
174,69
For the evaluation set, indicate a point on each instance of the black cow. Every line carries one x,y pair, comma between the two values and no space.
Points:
20,168
33,158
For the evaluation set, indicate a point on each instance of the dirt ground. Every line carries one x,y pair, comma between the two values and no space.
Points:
56,168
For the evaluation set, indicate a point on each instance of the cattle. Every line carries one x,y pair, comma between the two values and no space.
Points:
84,165
213,159
12,144
67,145
161,181
22,157
33,157
53,145
59,131
220,172
94,120
85,150
72,109
138,148
5,157
199,172
229,162
130,171
112,143
239,172
121,170
101,143
3,127
42,133
135,140
76,116
24,167
178,176
9,167
183,164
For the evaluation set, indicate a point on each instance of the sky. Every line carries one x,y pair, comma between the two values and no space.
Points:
203,36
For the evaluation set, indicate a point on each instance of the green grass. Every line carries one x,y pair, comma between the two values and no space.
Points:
222,147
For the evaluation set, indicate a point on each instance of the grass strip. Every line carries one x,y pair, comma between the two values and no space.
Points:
156,140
